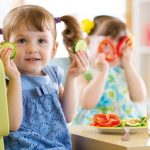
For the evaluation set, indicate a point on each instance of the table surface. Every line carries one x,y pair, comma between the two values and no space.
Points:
89,138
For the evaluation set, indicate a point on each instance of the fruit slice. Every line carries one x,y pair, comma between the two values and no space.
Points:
9,45
133,122
79,45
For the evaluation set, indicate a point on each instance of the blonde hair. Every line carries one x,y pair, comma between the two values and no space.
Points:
38,18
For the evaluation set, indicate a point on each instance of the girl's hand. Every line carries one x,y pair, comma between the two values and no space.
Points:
80,63
101,64
11,70
126,57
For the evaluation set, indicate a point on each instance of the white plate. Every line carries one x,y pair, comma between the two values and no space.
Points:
119,129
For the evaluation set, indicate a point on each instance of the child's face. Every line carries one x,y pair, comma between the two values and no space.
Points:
34,49
94,42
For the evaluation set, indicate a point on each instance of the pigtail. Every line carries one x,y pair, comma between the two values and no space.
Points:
72,31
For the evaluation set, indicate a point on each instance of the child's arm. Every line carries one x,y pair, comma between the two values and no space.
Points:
14,92
92,91
136,85
70,97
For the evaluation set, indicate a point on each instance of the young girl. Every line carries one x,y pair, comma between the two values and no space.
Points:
115,84
39,106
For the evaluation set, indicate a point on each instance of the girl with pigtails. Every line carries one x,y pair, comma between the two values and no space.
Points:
39,106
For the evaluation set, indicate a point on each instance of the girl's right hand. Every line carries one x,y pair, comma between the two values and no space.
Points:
11,70
101,64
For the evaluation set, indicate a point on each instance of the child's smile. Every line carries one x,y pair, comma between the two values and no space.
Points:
34,49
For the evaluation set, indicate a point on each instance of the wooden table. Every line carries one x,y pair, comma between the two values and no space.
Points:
88,138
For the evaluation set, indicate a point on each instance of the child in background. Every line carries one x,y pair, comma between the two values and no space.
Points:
115,84
39,107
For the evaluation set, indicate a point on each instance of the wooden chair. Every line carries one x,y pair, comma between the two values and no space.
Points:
4,120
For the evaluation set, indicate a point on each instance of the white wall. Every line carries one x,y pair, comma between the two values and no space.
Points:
81,9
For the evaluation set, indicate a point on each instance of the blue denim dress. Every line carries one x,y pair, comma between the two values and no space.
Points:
44,125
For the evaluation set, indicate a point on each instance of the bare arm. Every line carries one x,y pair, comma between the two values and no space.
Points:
137,89
70,96
136,85
14,94
92,91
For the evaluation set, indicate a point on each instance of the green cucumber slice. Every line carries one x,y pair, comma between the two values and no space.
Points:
133,122
79,45
10,45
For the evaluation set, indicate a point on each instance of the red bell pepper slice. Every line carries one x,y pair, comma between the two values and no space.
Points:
106,120
124,43
98,118
111,53
115,120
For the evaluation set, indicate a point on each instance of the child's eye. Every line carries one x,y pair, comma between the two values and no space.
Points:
42,41
21,41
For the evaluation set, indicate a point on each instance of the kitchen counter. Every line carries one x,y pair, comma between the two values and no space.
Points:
89,138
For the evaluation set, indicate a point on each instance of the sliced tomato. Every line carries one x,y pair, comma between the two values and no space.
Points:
110,53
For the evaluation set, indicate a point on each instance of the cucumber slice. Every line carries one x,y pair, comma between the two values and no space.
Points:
5,45
133,122
79,45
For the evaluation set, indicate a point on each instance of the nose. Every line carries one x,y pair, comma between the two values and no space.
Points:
31,48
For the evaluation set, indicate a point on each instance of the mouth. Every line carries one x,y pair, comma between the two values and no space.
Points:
32,59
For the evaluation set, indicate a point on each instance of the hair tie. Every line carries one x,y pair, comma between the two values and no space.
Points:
87,25
1,32
57,19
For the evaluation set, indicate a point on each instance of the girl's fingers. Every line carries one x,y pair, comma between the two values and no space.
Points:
6,58
79,64
84,60
5,54
101,56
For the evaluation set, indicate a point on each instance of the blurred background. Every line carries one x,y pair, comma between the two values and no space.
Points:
135,13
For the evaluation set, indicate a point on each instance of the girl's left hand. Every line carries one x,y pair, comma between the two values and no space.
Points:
126,58
80,63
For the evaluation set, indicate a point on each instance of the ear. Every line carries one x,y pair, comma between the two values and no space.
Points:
54,50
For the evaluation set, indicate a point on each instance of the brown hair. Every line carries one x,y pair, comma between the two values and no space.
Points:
98,20
34,17
106,25
38,18
113,28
